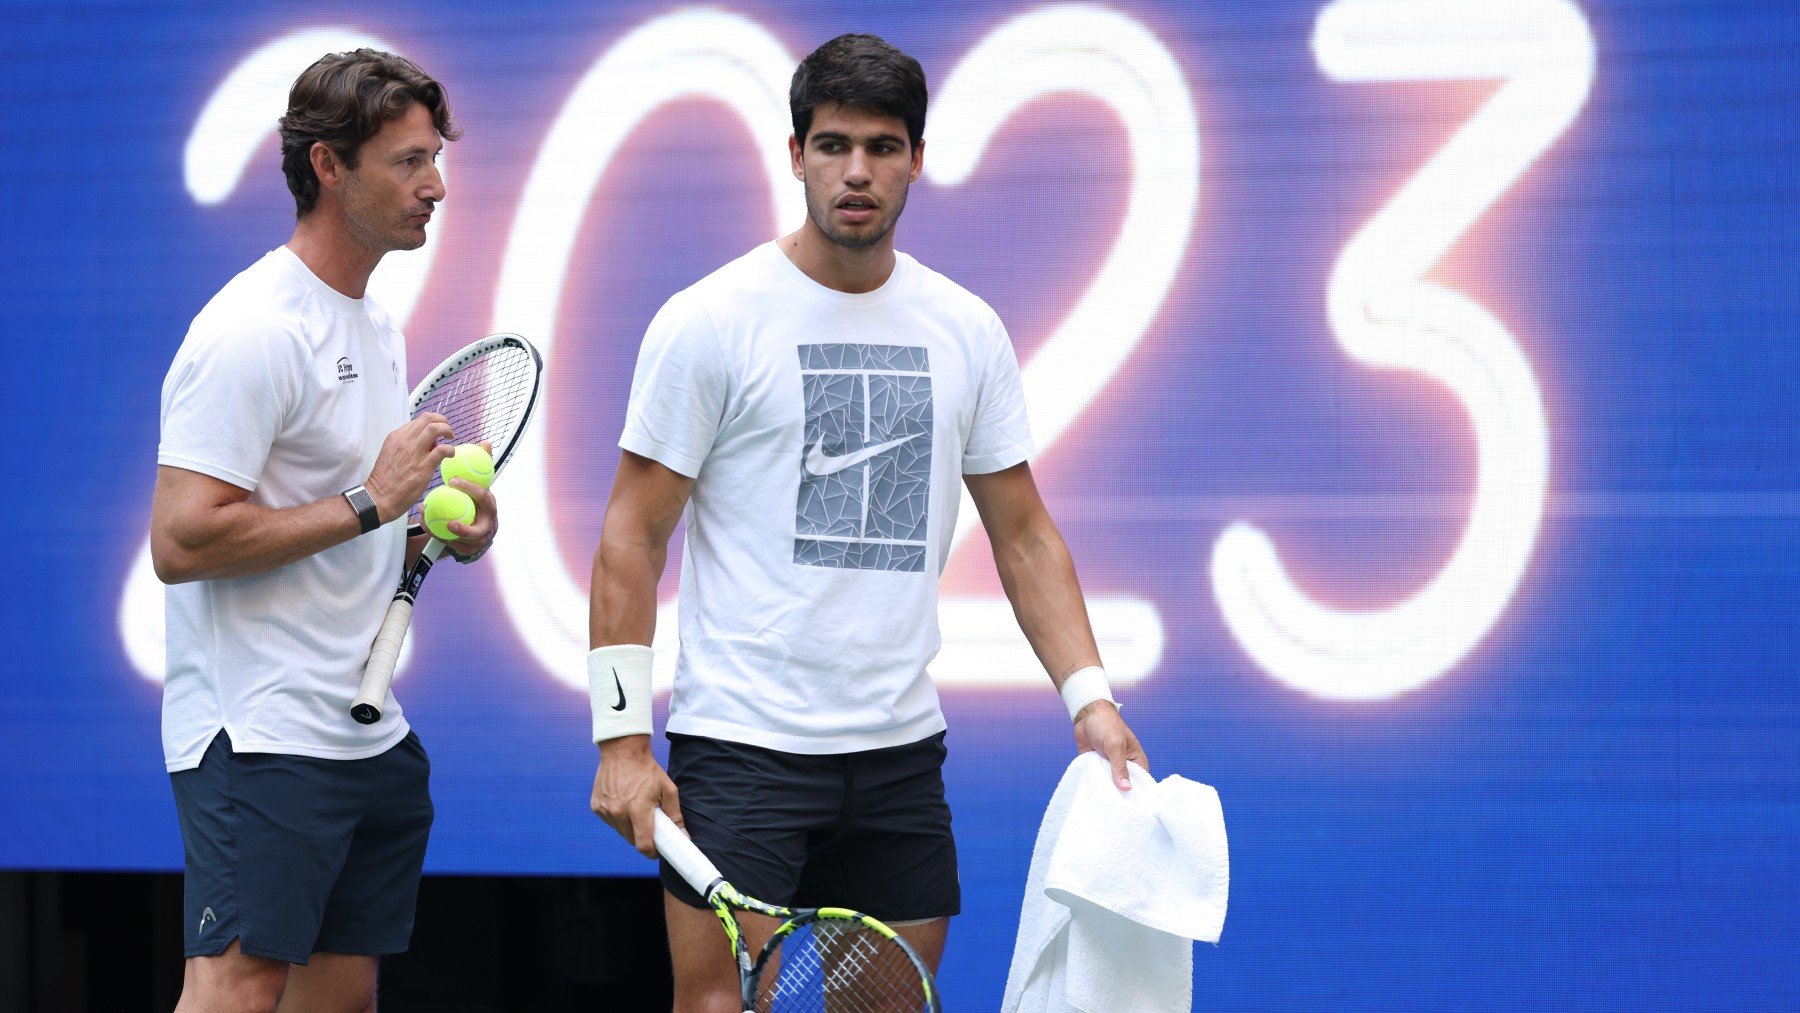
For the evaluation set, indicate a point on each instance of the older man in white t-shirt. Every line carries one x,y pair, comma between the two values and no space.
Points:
286,461
813,407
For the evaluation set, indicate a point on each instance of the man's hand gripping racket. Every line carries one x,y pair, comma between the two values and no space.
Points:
818,959
486,391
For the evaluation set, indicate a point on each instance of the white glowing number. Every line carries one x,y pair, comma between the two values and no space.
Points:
728,59
235,122
725,58
1109,57
1386,315
691,54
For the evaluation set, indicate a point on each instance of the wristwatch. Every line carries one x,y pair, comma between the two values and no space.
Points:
364,505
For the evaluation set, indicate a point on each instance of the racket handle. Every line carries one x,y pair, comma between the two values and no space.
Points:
378,674
680,852
384,654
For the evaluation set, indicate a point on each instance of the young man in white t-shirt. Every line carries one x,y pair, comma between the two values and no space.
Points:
812,407
286,465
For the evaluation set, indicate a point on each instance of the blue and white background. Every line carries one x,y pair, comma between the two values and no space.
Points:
1413,384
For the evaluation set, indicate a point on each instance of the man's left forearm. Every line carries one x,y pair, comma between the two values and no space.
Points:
1039,577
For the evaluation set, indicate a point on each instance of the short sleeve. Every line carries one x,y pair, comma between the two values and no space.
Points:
1001,434
226,400
678,390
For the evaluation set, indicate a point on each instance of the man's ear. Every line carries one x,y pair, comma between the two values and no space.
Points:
798,164
326,165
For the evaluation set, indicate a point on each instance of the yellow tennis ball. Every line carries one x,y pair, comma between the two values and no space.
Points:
471,462
444,505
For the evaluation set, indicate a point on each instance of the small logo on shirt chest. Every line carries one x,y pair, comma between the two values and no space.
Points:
345,371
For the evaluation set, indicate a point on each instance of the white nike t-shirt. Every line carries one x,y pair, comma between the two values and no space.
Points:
827,434
287,388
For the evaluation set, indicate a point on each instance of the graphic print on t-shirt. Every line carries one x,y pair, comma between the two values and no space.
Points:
865,468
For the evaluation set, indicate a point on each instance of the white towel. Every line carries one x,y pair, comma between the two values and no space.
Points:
1121,883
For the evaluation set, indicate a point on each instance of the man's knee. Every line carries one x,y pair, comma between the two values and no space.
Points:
231,981
334,981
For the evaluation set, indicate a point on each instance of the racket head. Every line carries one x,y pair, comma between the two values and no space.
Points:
839,959
487,389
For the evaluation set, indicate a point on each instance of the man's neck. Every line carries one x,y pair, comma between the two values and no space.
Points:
321,243
839,267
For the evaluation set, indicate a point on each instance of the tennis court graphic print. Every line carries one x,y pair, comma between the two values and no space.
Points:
865,465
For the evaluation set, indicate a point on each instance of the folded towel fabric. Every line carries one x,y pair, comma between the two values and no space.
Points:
1121,884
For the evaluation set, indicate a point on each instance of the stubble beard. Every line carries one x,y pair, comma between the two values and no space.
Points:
366,225
820,212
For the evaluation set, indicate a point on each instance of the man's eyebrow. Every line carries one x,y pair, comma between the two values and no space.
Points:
832,135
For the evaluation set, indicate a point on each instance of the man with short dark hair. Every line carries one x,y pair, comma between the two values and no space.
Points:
286,459
812,407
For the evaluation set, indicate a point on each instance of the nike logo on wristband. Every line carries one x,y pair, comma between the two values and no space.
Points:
820,463
621,686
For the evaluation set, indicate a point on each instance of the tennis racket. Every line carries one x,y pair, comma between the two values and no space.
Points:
487,391
826,958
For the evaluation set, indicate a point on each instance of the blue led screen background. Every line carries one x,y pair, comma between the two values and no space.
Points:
1413,384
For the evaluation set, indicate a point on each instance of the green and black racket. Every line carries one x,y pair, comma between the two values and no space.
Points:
819,959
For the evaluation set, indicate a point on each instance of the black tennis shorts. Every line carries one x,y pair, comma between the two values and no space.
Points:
868,831
296,855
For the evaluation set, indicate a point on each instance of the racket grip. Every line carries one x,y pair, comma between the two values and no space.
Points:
378,674
675,847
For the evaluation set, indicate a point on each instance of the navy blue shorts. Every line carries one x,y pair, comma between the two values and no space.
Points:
868,831
295,855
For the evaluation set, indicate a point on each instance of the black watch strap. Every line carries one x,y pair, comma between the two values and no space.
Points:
364,505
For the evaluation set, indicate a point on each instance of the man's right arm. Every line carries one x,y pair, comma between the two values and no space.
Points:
204,528
646,503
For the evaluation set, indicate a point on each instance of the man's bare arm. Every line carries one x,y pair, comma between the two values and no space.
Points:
202,528
646,503
1039,577
1036,570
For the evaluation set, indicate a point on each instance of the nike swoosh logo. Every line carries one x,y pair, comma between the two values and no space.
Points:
621,687
818,462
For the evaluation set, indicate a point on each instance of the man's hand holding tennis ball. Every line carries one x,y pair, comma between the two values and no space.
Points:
452,508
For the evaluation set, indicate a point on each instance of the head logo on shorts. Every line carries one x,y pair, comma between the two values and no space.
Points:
206,918
865,467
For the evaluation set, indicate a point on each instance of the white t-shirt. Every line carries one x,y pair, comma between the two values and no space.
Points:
827,434
284,387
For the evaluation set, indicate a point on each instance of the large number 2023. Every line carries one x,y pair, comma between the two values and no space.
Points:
1379,309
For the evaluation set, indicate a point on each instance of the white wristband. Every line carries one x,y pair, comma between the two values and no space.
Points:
1084,687
619,690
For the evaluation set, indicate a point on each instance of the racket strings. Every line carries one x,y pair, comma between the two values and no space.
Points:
485,401
840,966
